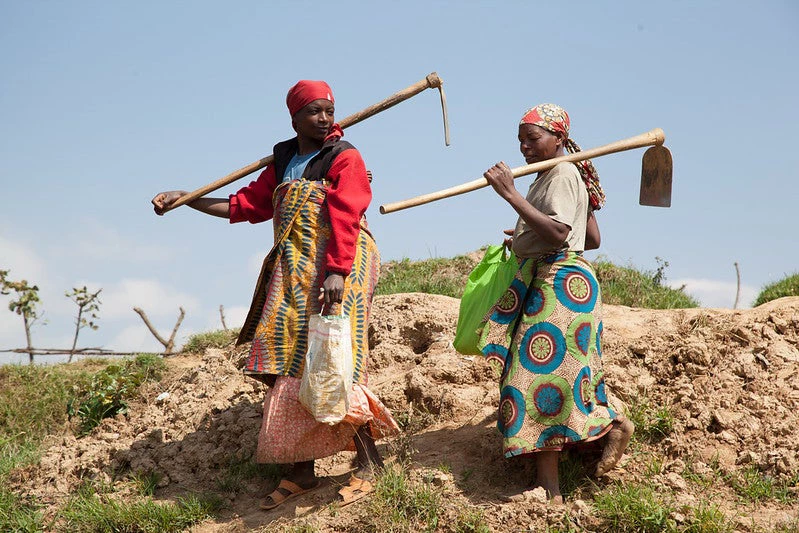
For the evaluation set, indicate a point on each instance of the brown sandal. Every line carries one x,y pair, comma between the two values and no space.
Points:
278,497
356,489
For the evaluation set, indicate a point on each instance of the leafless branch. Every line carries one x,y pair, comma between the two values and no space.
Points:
222,316
168,344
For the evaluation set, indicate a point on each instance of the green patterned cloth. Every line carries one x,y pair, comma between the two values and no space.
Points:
543,337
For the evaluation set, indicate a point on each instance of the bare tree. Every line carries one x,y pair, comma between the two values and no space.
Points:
25,305
222,316
169,345
88,306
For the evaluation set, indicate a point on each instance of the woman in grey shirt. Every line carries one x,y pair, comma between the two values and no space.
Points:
544,334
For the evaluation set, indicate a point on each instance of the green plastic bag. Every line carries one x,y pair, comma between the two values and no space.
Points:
486,284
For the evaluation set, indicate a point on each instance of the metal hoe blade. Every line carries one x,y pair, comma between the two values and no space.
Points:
656,170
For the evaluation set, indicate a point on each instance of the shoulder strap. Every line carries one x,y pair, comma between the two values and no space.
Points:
319,166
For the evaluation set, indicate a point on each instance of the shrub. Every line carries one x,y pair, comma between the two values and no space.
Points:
788,286
107,393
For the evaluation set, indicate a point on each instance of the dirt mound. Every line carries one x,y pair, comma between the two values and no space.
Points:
727,380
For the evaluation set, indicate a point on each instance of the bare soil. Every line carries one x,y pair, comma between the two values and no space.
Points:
729,379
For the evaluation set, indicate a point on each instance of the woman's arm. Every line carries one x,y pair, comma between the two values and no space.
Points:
592,236
500,178
218,207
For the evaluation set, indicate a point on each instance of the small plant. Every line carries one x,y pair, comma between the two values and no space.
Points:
109,389
788,286
754,486
633,508
398,504
471,520
200,342
88,306
651,424
146,482
25,305
707,518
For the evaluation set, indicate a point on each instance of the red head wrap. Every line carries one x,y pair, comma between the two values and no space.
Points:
305,92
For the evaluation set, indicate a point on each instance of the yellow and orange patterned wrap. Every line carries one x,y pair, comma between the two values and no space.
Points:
288,287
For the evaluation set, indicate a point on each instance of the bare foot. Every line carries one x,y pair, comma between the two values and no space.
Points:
618,439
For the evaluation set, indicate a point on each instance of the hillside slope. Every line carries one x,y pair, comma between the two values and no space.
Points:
722,384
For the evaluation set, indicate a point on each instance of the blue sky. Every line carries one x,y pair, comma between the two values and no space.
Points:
104,104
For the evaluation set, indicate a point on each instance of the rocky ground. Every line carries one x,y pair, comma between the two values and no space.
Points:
727,383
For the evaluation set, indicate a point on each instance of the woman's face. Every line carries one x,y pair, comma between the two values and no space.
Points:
538,144
314,120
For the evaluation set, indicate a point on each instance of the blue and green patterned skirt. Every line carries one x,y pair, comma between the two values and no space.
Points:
543,338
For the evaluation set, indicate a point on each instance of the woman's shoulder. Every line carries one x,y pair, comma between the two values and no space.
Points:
565,169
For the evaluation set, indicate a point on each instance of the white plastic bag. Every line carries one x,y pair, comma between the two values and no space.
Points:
327,378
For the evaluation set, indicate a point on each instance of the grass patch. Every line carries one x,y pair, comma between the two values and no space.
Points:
33,402
221,338
471,520
788,286
754,486
93,510
652,424
634,288
633,508
432,276
239,471
399,504
17,514
107,393
707,518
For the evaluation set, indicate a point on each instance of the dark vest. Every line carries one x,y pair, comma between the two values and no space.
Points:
318,167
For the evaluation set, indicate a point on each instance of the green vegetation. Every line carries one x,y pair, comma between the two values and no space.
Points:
398,504
32,404
754,486
707,518
433,276
106,394
94,509
788,286
241,470
633,288
221,338
651,424
620,285
633,508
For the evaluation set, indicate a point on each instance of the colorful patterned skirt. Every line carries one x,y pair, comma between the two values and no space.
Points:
543,338
285,298
288,288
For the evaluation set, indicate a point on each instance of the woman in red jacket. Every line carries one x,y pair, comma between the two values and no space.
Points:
324,260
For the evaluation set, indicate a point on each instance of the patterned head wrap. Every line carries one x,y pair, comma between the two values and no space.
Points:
306,91
554,118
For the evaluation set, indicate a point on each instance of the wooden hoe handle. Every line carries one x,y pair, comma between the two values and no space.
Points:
650,138
431,81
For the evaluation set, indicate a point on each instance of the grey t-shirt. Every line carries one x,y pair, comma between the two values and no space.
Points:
561,194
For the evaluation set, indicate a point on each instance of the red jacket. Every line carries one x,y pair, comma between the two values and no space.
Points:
348,196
